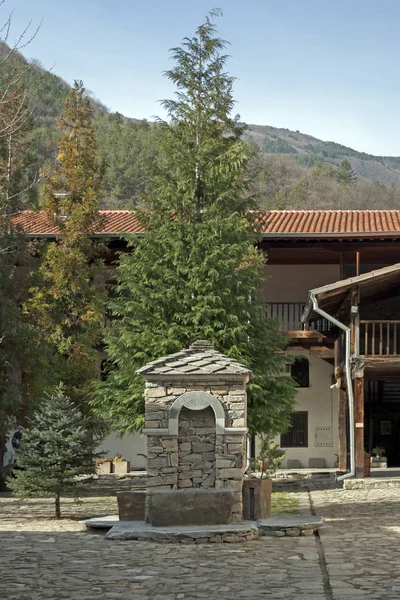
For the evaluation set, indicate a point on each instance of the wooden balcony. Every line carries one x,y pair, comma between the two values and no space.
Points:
379,338
289,313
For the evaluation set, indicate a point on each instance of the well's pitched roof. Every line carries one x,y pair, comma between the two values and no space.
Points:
274,223
200,359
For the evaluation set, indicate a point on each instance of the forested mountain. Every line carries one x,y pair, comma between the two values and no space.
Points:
307,149
289,169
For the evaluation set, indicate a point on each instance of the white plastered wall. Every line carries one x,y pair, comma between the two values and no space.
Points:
132,446
320,401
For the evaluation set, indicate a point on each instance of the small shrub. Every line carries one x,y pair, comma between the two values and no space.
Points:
57,451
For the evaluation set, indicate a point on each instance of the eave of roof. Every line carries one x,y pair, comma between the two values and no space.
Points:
199,361
370,285
274,224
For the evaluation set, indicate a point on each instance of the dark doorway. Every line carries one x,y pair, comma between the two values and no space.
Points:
382,418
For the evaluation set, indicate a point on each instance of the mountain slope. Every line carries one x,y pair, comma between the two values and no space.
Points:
284,176
307,149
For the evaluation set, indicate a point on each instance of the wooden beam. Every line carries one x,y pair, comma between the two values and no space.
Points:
342,429
301,334
353,323
323,352
359,424
382,366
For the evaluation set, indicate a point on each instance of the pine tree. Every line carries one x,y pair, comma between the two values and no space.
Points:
67,302
55,452
346,174
196,271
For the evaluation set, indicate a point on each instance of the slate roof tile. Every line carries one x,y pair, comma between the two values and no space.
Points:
207,361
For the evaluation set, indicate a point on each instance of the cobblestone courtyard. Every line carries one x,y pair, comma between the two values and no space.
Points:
359,557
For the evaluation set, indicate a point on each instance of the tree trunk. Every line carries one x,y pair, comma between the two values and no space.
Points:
57,506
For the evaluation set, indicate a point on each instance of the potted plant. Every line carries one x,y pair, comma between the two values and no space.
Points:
120,464
378,459
270,456
103,466
257,489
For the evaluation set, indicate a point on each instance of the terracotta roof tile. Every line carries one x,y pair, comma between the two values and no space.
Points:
281,223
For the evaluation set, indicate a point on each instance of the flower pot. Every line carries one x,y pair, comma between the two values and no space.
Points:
121,466
378,462
263,465
257,498
103,468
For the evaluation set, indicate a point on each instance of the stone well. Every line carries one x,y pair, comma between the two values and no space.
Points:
196,414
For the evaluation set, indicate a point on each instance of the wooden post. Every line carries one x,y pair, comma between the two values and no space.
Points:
342,429
354,325
359,417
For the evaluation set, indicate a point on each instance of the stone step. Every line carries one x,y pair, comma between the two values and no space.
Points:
289,525
371,483
185,534
276,526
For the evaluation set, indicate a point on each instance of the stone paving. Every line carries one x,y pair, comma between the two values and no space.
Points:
42,559
361,542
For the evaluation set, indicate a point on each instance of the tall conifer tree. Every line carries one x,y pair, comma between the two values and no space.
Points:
67,302
196,271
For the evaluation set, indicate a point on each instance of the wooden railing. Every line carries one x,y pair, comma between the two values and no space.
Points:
380,338
290,313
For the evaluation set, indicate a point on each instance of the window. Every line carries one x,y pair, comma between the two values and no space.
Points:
297,436
300,371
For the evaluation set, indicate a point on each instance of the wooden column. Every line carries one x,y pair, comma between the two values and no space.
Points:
342,429
359,418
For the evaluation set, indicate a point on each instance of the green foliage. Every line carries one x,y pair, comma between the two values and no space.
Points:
195,273
284,502
129,148
278,147
270,455
346,174
57,449
334,150
67,301
378,451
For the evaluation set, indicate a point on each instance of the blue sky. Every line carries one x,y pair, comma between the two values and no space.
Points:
329,68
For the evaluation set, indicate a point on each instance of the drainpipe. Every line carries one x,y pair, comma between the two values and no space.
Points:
346,329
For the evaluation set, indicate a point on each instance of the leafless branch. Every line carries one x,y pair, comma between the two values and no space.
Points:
21,42
35,181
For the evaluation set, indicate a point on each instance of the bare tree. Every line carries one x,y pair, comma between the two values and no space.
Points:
15,124
16,185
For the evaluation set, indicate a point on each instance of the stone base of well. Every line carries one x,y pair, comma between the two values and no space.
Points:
277,526
190,507
233,533
131,505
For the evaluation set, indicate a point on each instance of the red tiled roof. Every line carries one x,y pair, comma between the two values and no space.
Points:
281,223
316,222
113,221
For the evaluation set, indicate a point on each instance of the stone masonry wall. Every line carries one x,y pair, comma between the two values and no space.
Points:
196,448
164,466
